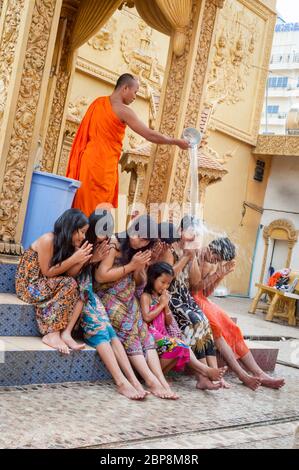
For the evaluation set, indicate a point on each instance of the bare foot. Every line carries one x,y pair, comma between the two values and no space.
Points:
54,341
70,342
129,391
251,382
271,382
224,384
142,392
161,392
203,383
216,374
171,394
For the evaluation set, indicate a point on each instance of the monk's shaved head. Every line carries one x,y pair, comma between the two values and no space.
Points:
125,79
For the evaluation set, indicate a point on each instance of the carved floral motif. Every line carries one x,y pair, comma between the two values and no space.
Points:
104,40
27,101
58,104
283,145
8,43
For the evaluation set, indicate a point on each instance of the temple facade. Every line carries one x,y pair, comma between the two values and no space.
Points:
200,63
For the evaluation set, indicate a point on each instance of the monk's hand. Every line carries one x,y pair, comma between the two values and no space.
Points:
84,254
141,259
183,144
101,251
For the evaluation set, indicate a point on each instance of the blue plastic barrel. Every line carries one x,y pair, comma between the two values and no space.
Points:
50,195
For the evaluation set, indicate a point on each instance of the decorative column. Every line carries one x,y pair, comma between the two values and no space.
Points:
182,102
55,118
27,36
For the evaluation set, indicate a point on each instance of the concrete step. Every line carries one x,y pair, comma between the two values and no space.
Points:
265,355
26,360
16,317
7,277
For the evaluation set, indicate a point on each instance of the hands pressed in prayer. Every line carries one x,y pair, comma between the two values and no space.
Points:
83,254
100,252
141,259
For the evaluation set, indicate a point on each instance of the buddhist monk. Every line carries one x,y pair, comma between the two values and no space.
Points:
98,144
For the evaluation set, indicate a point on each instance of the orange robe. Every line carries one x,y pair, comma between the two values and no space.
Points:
94,156
222,325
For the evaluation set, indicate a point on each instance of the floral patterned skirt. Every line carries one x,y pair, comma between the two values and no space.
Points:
54,298
194,325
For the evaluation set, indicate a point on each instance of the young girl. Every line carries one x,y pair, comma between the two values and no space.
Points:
45,279
119,279
174,353
97,329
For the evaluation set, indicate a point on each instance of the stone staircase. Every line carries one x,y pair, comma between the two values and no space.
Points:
25,360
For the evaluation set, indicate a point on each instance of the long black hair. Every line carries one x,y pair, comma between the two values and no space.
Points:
143,227
154,271
64,228
101,224
168,233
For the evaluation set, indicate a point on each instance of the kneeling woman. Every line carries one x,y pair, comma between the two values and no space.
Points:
45,279
118,278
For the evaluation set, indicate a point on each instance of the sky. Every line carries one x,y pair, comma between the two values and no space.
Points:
289,10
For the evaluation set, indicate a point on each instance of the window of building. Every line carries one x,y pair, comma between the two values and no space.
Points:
272,109
278,82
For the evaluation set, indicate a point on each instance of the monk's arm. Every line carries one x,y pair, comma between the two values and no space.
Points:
130,118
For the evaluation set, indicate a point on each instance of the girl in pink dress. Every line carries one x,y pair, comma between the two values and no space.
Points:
174,353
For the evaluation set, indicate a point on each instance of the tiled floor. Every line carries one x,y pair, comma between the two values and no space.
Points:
94,415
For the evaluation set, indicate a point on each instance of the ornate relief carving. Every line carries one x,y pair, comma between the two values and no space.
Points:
232,62
8,43
236,46
103,40
58,104
21,138
195,97
283,145
281,224
170,116
139,53
77,108
71,128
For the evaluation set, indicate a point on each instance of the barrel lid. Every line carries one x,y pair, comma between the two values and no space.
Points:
75,183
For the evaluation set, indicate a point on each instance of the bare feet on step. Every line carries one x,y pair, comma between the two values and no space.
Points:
129,391
271,382
204,383
224,384
216,374
162,392
54,341
70,342
251,382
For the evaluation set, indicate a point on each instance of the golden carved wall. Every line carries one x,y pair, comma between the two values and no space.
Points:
239,67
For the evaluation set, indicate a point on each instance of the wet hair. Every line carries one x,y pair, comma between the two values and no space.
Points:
124,79
168,233
64,228
101,224
189,221
144,227
154,271
224,248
